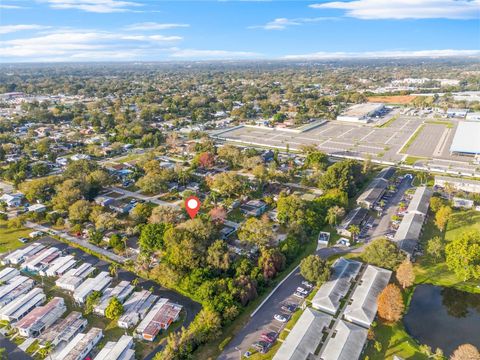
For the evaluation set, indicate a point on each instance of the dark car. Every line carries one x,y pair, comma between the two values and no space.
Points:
269,337
289,307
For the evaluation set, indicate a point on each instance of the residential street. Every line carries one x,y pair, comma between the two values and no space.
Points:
73,239
138,195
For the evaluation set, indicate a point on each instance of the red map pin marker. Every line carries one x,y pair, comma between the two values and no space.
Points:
192,205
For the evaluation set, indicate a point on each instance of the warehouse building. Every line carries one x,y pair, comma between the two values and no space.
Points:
362,113
330,294
122,291
15,287
18,256
466,139
305,337
120,350
58,266
80,346
159,318
74,277
347,344
98,283
22,305
64,330
467,185
41,318
136,307
362,306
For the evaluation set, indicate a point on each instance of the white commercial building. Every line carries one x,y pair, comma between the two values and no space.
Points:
361,113
467,138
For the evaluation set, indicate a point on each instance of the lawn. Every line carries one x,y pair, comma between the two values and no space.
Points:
427,271
395,341
9,237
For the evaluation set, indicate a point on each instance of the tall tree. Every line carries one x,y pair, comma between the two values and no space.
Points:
255,231
463,255
442,216
384,253
390,304
466,352
315,269
404,274
114,309
334,213
436,248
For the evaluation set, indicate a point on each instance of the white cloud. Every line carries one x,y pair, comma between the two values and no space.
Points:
406,9
9,7
7,29
70,45
383,54
148,26
212,54
96,6
283,23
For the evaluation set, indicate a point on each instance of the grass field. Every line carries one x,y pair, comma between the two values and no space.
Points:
9,237
393,99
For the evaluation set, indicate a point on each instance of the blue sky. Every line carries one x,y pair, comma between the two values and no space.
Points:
129,30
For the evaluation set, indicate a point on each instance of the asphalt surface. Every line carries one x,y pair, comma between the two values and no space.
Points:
13,352
263,320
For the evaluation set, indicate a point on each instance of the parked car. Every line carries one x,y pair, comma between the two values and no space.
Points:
302,290
280,318
23,240
247,354
307,284
289,307
299,295
269,337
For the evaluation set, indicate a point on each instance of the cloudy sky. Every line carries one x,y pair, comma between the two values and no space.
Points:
146,30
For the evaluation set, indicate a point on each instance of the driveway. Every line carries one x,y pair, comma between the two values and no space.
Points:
262,320
13,352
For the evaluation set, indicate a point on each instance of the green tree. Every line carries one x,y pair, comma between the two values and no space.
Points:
463,255
255,231
151,237
140,213
442,216
384,253
114,309
218,256
315,269
334,213
436,248
271,261
92,299
354,230
79,211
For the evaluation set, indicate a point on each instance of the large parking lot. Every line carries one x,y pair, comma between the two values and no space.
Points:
393,142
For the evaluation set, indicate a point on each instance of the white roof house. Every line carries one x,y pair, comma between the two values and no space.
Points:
347,344
98,283
305,337
17,286
120,350
22,305
40,260
467,185
65,329
362,307
60,264
420,201
330,294
19,255
123,290
136,307
466,139
12,200
7,274
74,277
80,346
41,318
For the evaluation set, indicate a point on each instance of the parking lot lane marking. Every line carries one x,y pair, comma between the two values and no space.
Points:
371,132
346,132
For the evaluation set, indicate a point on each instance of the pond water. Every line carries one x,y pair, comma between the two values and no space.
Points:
444,317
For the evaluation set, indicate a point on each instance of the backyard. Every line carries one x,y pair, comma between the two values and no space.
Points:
9,237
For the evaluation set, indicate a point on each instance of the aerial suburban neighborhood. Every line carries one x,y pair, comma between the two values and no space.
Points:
312,198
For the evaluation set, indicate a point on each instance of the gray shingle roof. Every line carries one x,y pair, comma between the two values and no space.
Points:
347,344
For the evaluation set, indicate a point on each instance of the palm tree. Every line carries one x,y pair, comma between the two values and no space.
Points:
354,230
46,350
113,269
334,213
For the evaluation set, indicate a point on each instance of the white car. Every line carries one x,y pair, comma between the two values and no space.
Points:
299,295
280,318
307,284
302,290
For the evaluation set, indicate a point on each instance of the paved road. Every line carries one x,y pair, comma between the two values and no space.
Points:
75,240
13,352
6,187
140,196
262,320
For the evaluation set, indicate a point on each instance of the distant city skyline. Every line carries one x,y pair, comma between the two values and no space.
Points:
146,30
